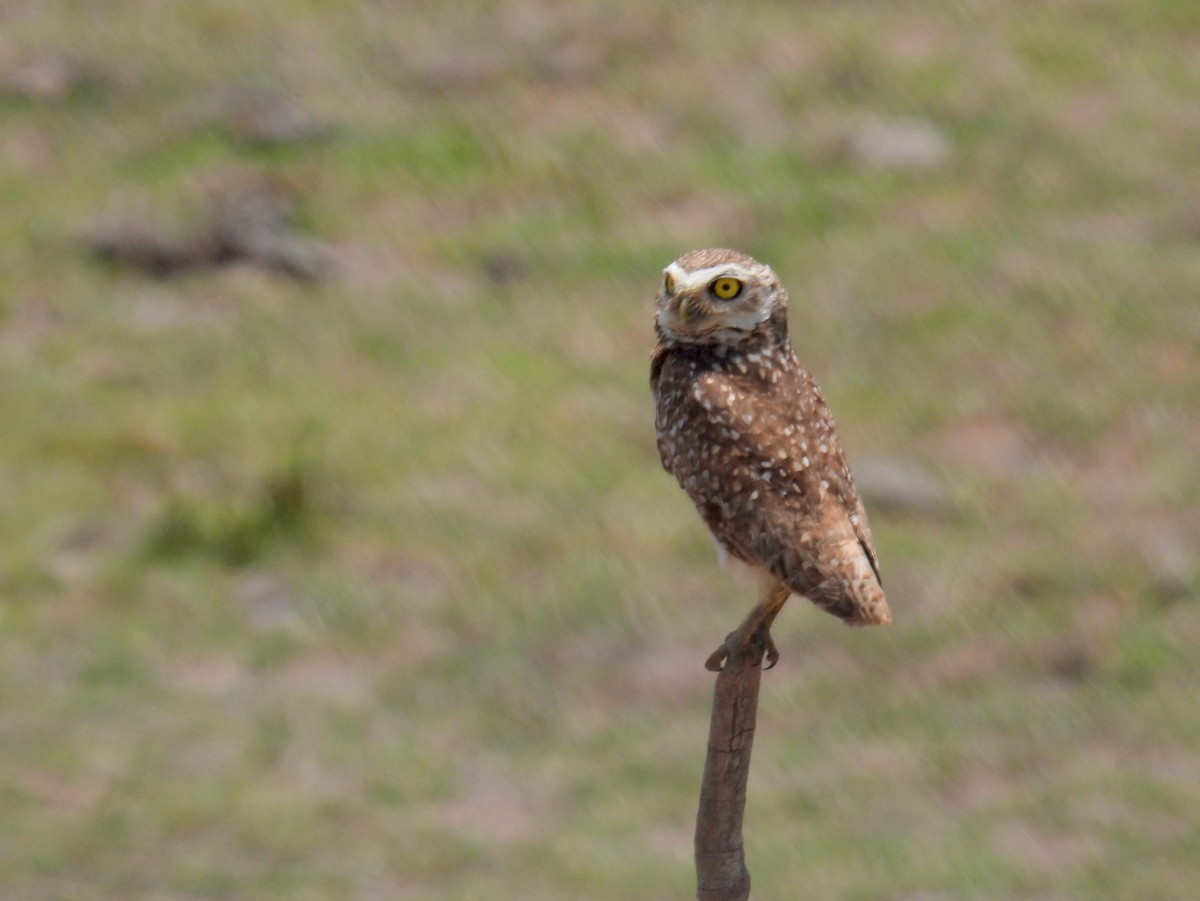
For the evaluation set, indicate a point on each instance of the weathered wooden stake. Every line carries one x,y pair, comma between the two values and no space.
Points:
721,873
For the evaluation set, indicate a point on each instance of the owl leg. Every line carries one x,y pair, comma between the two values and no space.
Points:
755,628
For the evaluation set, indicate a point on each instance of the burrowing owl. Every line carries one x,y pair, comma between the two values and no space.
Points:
743,426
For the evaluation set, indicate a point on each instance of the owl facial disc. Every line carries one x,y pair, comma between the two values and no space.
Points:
714,304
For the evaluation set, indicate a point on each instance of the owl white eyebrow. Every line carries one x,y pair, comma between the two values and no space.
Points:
702,278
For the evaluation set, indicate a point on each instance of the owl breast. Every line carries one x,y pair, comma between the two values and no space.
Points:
732,430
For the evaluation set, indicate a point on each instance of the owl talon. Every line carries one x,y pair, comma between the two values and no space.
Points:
717,659
772,652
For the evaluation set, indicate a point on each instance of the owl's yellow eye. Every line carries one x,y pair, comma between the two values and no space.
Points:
669,284
726,288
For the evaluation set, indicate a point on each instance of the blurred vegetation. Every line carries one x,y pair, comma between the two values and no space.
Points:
367,583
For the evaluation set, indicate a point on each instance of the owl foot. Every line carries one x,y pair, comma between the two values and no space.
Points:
759,643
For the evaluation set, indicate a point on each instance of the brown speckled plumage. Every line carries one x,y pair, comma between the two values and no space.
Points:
745,430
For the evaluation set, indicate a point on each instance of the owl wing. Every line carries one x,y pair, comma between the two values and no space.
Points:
788,501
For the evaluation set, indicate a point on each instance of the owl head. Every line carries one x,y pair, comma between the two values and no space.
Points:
719,296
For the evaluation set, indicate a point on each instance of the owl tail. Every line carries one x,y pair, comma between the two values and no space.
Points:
871,609
860,602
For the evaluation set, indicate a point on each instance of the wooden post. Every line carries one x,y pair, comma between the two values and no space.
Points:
721,873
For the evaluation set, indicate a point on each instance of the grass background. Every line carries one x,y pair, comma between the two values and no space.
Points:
373,587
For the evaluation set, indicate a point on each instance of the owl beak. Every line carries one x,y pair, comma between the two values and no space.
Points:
688,310
680,311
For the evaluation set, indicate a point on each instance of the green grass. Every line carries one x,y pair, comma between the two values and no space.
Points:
375,588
